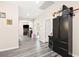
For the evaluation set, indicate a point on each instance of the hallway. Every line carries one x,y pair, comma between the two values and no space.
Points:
53,26
30,48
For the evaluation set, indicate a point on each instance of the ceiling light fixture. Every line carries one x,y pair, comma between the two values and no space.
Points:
37,2
28,14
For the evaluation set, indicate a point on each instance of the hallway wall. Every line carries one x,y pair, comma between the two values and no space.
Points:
9,33
42,26
47,14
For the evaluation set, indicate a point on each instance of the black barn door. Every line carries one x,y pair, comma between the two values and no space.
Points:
62,33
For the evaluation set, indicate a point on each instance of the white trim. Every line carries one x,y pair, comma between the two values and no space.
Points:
8,49
74,55
42,40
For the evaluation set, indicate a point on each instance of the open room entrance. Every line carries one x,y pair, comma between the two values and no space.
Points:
26,30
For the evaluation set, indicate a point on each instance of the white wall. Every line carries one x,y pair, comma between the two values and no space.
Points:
76,34
9,33
47,14
48,28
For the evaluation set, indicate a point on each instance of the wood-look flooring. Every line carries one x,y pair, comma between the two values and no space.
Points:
30,48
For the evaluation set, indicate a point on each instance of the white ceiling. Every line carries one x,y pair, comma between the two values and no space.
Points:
28,9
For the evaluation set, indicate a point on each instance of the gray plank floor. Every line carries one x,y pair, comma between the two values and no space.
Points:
30,48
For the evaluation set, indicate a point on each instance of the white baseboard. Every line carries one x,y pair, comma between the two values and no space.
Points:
41,40
74,55
8,49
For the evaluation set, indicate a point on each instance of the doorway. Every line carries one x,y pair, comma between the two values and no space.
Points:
26,30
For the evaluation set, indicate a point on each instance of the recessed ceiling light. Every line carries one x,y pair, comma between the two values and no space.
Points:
28,14
37,2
